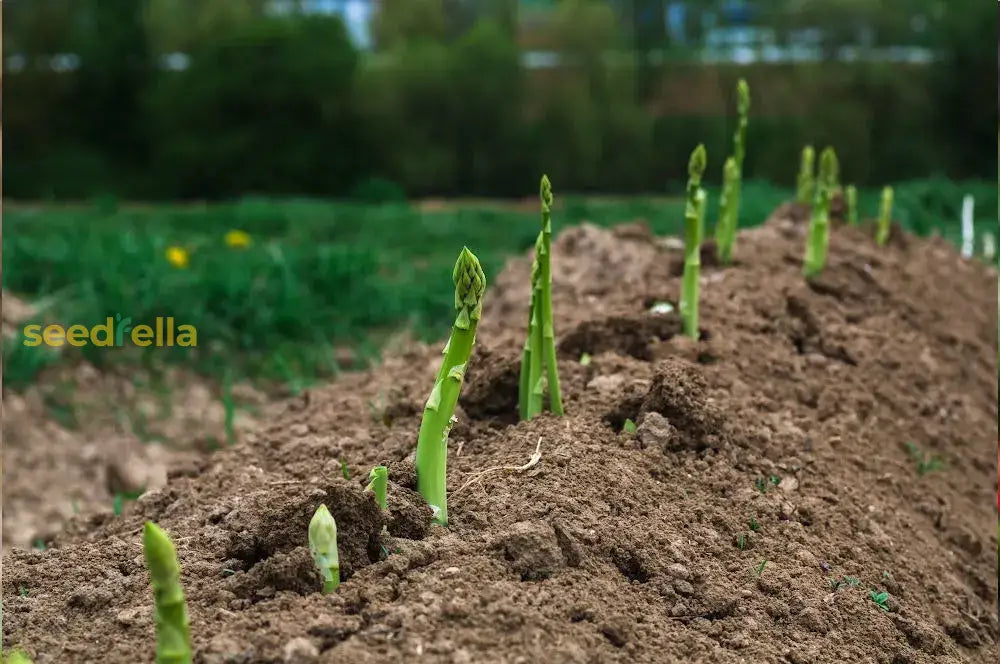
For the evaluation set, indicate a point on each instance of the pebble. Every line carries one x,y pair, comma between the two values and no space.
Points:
607,384
300,650
806,558
299,429
683,587
679,571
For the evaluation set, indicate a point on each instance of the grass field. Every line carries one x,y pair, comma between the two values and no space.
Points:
318,275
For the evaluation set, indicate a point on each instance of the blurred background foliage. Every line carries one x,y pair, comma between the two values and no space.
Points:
204,99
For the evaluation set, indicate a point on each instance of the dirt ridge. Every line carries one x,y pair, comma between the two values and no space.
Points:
780,436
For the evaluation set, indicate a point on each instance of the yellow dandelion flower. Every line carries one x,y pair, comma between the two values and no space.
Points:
237,239
178,257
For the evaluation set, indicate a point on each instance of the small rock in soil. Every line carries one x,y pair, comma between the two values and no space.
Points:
300,650
532,550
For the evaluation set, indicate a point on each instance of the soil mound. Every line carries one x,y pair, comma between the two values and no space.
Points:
771,487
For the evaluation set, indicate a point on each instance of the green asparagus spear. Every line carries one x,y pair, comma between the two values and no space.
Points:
432,444
694,218
884,217
725,230
545,276
804,190
173,638
536,362
852,204
323,545
524,383
377,480
819,226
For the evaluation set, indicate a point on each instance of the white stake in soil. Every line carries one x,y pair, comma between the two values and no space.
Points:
967,230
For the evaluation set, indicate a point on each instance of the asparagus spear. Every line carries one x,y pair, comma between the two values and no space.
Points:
528,403
851,194
323,545
804,190
173,638
694,216
545,276
377,480
819,226
432,443
884,217
536,362
725,230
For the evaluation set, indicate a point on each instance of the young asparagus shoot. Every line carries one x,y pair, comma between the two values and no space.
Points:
525,407
432,443
725,230
545,276
729,208
819,226
377,481
531,381
538,359
851,193
884,217
804,185
173,638
694,219
323,545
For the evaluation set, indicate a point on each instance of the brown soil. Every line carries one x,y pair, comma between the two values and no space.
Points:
791,414
78,436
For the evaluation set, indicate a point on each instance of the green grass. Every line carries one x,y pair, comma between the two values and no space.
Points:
318,274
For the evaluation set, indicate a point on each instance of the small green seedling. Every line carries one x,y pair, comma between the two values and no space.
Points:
17,657
173,637
585,359
806,180
774,479
629,426
851,194
121,497
694,221
884,217
881,599
848,581
925,463
344,470
323,545
432,443
754,526
761,484
760,568
741,541
538,358
819,226
377,482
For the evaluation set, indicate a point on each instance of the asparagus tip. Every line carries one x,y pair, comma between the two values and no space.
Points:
546,192
828,165
158,550
743,94
696,166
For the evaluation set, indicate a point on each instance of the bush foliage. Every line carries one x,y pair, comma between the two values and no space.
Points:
443,106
